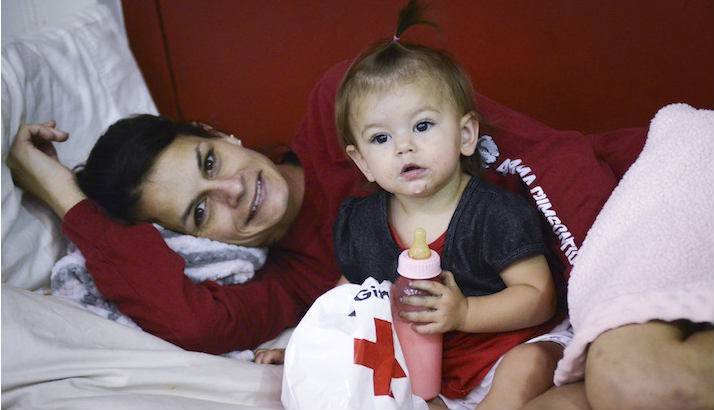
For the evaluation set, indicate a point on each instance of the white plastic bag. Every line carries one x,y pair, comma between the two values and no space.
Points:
344,354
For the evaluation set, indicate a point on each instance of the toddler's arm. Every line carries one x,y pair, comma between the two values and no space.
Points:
528,300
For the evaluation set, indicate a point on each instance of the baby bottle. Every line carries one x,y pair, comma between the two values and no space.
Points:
421,352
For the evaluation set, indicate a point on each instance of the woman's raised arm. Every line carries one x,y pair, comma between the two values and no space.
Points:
37,170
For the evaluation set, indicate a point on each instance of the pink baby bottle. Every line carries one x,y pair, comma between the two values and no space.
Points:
421,352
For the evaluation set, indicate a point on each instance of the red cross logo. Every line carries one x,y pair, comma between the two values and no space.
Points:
379,356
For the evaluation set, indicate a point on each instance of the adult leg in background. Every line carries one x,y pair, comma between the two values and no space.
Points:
655,365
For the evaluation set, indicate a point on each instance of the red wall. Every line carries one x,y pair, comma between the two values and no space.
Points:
247,66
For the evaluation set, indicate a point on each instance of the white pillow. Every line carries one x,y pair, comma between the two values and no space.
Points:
84,76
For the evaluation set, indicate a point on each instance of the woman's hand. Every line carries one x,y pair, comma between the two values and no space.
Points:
36,169
269,356
446,308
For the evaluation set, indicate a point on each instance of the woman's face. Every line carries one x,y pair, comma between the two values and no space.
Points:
215,188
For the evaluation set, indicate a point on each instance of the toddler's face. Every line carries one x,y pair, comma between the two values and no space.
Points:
410,137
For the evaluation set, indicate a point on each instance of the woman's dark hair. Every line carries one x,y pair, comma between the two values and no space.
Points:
121,158
392,62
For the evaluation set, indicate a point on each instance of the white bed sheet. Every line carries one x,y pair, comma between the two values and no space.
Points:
55,355
83,75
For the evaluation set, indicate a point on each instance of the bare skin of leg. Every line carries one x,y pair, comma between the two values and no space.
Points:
524,373
568,397
656,365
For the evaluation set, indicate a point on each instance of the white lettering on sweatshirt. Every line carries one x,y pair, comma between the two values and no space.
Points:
561,231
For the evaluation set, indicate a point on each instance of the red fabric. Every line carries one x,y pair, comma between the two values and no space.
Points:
557,170
133,267
619,148
469,356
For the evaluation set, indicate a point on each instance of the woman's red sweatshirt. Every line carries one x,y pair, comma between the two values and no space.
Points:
133,267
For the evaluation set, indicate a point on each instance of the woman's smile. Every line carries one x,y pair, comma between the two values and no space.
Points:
258,196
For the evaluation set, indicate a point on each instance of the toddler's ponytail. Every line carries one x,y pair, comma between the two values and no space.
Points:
411,15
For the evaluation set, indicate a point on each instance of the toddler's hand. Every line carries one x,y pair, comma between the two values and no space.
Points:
446,307
269,356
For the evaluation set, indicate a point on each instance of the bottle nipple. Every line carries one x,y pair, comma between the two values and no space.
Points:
419,248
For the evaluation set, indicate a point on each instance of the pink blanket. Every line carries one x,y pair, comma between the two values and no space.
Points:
650,253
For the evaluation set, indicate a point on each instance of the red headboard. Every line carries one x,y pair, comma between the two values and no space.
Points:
247,66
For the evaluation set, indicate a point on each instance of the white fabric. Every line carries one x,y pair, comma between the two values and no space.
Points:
56,355
83,76
320,361
207,259
649,253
